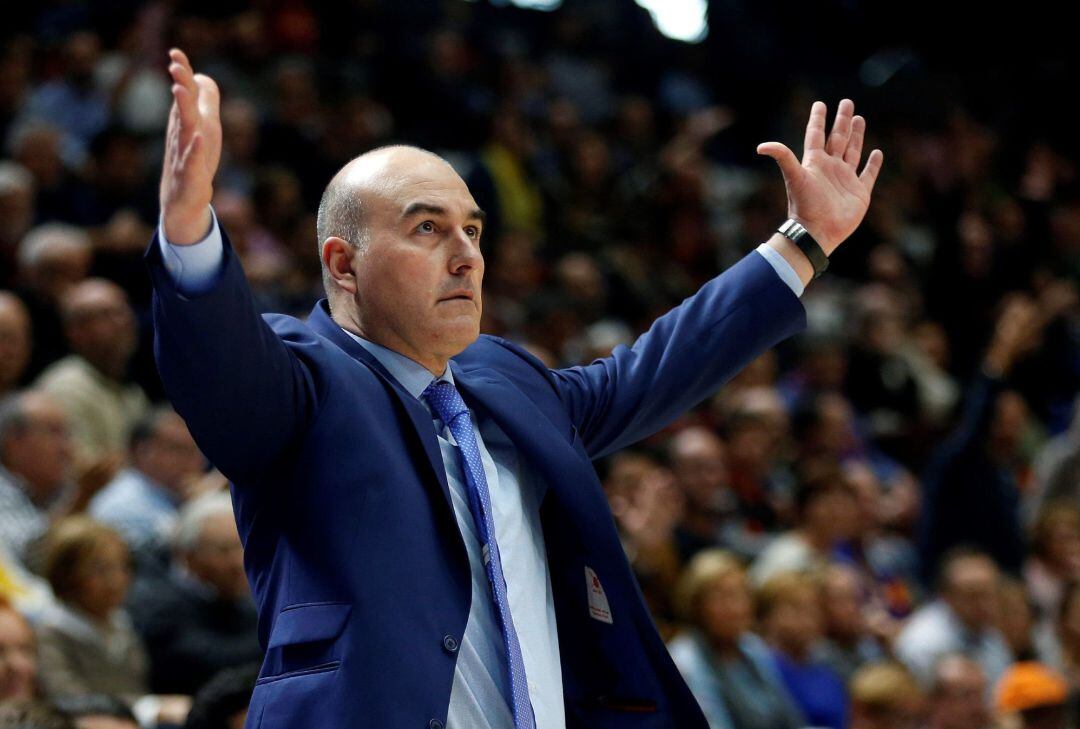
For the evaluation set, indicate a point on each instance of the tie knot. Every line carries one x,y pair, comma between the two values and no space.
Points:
445,400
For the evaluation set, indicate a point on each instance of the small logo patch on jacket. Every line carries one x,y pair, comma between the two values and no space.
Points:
599,609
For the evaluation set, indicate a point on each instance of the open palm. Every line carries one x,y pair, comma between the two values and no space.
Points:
192,152
826,192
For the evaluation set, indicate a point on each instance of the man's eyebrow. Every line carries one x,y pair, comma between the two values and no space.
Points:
418,208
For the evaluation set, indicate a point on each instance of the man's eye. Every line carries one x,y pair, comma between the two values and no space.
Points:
426,227
473,232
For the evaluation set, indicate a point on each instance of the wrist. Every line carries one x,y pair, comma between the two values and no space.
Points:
804,240
828,245
183,228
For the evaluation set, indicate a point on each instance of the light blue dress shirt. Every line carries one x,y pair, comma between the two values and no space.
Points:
478,696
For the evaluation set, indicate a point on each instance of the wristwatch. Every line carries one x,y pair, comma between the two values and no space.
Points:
798,235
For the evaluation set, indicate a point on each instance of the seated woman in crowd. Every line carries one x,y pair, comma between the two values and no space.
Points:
87,644
790,615
728,668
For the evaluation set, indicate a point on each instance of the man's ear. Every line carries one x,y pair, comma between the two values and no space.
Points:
337,255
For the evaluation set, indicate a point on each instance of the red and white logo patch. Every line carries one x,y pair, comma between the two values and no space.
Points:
599,609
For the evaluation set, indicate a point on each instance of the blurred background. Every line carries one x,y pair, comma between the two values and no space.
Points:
875,525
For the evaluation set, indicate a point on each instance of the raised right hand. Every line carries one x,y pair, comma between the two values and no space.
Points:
192,153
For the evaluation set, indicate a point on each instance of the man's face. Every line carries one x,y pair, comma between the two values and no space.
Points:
419,273
101,326
971,590
170,457
699,466
41,452
218,557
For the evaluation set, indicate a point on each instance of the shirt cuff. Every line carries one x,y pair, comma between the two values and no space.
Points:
782,267
194,268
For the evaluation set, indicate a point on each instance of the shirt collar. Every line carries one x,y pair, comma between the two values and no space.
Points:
413,376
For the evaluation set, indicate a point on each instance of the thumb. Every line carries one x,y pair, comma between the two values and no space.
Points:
789,163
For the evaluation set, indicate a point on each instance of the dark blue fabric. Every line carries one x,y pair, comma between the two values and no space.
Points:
817,691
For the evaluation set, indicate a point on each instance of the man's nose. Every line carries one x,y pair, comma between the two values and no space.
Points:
466,253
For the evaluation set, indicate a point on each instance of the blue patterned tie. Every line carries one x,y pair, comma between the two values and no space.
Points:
448,405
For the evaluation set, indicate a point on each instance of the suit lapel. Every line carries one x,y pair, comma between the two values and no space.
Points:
417,414
566,471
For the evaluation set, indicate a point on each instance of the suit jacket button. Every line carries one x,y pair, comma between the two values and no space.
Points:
435,724
450,643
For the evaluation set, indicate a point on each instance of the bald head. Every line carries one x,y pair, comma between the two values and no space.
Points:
348,194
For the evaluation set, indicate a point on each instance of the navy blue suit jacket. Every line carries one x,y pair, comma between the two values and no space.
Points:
350,542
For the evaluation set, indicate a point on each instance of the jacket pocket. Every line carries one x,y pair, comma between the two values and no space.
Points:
305,638
309,623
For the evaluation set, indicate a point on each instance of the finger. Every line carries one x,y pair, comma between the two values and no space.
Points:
789,163
873,167
209,96
815,128
186,112
854,148
178,56
841,129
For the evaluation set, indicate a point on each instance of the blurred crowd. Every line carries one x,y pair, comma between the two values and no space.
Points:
875,525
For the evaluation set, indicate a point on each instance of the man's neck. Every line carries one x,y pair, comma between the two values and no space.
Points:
434,364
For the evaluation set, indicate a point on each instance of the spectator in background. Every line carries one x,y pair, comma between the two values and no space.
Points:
826,513
73,102
880,382
959,698
972,487
1016,618
760,484
647,506
848,643
885,696
223,702
97,711
790,614
143,501
696,457
91,382
15,341
86,642
962,619
1054,560
53,258
729,669
18,655
1060,646
200,618
35,469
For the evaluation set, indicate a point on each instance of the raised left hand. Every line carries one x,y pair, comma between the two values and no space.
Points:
826,192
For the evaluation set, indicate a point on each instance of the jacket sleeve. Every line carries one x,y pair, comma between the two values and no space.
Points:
685,356
245,392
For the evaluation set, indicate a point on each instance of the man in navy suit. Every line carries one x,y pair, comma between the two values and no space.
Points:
425,536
